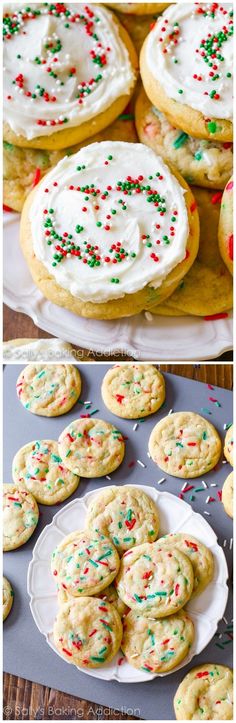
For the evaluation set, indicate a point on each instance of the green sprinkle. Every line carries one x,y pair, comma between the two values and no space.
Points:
180,140
97,659
212,127
68,453
56,458
126,116
180,91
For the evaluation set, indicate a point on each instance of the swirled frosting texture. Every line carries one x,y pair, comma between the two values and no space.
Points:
190,51
64,63
109,220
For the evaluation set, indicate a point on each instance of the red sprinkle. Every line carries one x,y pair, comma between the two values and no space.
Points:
7,208
216,198
36,177
202,675
213,317
66,651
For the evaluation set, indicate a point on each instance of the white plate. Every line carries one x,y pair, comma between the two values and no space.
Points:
163,339
175,515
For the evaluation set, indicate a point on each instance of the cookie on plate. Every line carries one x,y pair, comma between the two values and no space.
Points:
138,8
84,563
179,75
7,597
201,162
125,514
23,168
91,447
229,445
157,646
207,288
20,515
184,444
39,467
205,693
226,230
155,582
49,389
133,390
140,215
228,494
200,556
75,73
87,632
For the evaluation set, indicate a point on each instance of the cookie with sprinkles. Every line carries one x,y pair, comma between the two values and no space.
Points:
187,68
228,494
138,8
206,163
109,595
157,646
91,447
69,71
39,467
229,445
226,226
184,444
84,563
125,514
87,632
200,556
110,230
154,581
7,597
205,693
49,389
20,515
133,390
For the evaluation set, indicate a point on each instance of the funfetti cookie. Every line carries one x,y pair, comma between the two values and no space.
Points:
205,693
69,71
226,229
49,389
125,514
228,494
110,230
7,597
20,515
229,445
91,447
186,66
157,646
84,563
184,444
154,581
206,163
87,632
133,390
39,467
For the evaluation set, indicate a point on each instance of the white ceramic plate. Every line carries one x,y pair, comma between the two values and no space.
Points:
162,339
175,515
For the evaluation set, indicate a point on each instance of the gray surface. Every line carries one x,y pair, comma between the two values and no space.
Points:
26,652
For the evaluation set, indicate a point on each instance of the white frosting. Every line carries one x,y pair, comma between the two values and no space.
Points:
37,350
163,51
105,164
74,44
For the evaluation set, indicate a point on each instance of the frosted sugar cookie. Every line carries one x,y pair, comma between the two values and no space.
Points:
23,168
184,444
157,646
69,71
155,582
229,445
39,467
7,597
91,447
87,632
138,8
226,230
20,515
200,556
84,563
201,162
110,230
125,514
228,495
49,389
207,288
133,390
186,66
206,693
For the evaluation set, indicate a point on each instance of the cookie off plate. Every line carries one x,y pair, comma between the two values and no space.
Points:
176,515
144,337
